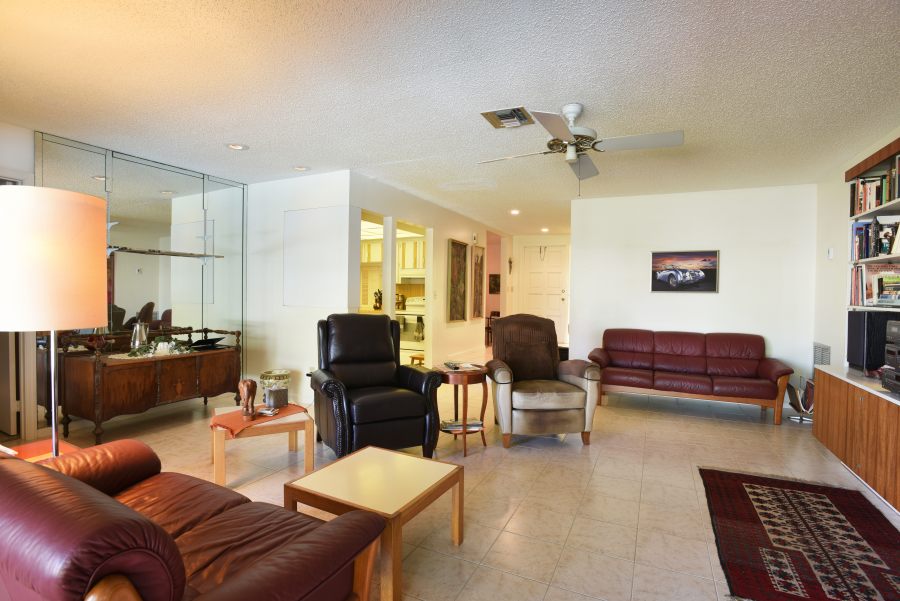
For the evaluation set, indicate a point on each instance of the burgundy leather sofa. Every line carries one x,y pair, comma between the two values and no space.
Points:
104,523
719,367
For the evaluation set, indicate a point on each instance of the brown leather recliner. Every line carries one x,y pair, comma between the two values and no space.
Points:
364,396
105,524
534,392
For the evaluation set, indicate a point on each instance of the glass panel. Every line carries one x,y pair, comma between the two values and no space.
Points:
223,276
142,203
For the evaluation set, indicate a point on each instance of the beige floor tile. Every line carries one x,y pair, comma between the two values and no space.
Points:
490,511
493,585
430,576
680,475
558,594
524,556
617,488
609,509
723,593
680,522
603,537
595,575
539,522
652,584
714,563
663,550
564,499
654,492
619,468
477,540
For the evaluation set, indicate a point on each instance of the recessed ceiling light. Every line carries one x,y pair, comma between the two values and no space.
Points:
300,168
236,146
514,211
167,192
545,230
99,178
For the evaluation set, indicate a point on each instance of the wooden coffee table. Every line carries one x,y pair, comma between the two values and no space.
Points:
392,484
290,424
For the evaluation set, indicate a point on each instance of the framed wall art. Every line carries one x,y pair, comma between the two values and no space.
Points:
494,283
457,296
477,282
684,271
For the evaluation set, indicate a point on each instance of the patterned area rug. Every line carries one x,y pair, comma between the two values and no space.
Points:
781,540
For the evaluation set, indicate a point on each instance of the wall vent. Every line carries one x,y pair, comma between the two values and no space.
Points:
821,354
513,117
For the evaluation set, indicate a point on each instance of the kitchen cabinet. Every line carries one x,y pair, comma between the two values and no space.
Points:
370,251
859,421
411,258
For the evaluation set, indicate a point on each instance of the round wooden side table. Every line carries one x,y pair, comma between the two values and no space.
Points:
465,377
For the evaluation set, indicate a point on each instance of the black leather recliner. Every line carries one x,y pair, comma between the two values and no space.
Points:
364,396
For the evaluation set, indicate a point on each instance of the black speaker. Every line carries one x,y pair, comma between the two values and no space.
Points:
866,337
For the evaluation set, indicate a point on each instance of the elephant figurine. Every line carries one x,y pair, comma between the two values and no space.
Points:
247,390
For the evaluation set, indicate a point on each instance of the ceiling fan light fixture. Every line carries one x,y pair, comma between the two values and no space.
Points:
571,153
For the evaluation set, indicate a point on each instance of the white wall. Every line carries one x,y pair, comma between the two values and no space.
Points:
277,336
767,241
457,340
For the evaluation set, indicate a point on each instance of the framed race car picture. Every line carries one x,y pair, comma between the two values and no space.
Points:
685,271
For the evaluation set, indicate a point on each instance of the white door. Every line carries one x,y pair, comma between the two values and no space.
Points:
544,285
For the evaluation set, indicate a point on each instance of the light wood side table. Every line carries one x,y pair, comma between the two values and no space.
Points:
392,484
290,424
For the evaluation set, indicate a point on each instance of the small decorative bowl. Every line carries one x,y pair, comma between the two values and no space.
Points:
275,378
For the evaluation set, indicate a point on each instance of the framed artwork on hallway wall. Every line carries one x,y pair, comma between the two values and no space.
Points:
477,282
457,292
494,283
684,271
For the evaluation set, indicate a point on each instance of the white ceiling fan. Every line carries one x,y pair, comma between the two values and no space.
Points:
574,140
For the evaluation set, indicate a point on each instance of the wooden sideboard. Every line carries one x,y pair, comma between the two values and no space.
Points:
98,387
859,421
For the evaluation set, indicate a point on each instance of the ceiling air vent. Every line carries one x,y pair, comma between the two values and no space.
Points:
513,117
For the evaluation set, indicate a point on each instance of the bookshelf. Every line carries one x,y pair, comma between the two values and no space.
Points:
874,231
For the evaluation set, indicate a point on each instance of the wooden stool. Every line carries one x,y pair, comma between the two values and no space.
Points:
417,359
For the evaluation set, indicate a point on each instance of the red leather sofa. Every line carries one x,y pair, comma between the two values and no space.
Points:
104,523
719,367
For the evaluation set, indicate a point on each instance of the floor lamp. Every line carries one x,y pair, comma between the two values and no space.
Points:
53,253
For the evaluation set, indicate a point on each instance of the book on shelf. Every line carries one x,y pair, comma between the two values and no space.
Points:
870,192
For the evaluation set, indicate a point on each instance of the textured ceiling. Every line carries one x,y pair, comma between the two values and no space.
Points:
769,92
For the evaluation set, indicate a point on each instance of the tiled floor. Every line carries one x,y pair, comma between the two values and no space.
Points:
548,519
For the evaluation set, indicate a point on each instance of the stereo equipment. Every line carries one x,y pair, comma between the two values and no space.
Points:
866,337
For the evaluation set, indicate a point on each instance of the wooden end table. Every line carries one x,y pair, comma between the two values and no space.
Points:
392,484
464,377
290,424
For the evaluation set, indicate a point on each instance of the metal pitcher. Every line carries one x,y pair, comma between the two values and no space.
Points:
139,334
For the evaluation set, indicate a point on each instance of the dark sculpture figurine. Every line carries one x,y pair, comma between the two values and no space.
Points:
379,296
247,390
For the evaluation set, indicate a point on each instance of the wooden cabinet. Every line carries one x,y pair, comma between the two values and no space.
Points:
98,387
411,257
862,428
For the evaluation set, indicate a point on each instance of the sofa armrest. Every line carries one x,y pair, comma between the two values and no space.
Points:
772,369
600,357
110,467
580,368
499,372
418,379
297,570
61,537
324,382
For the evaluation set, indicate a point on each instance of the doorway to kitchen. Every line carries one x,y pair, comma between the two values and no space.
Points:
410,301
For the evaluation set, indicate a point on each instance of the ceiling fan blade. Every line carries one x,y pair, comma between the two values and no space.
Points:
584,167
554,124
641,141
516,156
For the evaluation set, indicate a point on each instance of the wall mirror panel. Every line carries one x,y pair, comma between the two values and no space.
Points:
176,236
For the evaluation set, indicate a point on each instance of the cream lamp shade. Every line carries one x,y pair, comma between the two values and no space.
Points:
53,252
